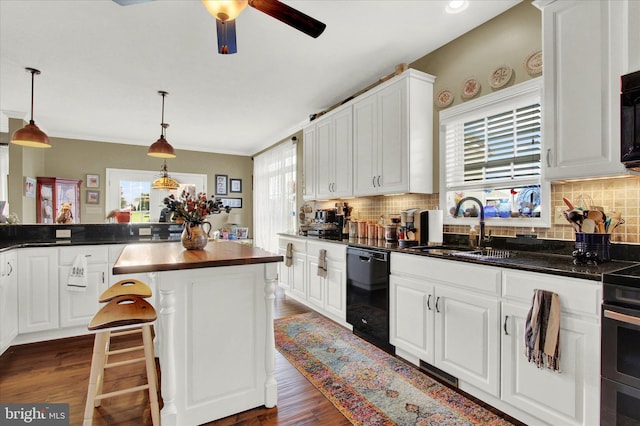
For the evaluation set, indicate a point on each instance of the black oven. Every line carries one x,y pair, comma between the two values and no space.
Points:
630,120
620,343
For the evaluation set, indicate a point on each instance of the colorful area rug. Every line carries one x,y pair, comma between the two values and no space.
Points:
367,385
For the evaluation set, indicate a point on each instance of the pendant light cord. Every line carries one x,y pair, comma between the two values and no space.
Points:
163,124
33,72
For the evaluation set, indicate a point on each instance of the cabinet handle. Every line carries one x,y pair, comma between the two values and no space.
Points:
429,302
548,157
437,301
378,181
103,277
10,269
373,181
506,317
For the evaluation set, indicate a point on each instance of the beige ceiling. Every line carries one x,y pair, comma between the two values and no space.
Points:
102,65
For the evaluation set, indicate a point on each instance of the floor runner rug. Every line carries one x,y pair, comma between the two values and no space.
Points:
369,386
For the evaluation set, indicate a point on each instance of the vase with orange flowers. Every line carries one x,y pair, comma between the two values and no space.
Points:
193,211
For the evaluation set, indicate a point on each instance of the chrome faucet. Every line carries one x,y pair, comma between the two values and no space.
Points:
483,239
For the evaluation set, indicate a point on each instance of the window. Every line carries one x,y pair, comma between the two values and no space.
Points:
491,150
274,195
131,190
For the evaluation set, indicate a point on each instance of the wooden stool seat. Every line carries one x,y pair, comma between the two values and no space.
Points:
122,310
129,287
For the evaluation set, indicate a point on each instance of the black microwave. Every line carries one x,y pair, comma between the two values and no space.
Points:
630,120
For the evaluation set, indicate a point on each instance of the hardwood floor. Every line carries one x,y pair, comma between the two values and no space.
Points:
58,372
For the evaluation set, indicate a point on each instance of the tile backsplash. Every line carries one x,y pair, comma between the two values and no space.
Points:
620,195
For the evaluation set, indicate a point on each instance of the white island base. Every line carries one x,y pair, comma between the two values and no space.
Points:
215,337
216,342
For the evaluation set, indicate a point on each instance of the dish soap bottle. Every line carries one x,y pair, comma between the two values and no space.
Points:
473,237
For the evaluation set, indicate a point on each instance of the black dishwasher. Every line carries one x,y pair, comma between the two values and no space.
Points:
368,295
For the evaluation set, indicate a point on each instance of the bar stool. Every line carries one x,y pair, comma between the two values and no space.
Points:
125,313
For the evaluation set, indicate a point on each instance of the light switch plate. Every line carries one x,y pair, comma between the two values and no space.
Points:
144,231
63,233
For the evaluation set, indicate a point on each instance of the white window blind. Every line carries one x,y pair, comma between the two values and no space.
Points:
494,145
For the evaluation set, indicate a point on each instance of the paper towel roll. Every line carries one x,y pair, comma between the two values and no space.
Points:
430,230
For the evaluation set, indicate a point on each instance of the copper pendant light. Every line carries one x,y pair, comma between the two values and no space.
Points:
161,148
165,181
30,135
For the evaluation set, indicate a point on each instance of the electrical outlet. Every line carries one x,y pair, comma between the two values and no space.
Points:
144,231
558,217
63,233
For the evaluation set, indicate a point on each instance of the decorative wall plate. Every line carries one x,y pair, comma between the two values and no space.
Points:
500,76
533,63
470,88
444,98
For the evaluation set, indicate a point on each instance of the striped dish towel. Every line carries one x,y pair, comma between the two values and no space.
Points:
288,258
542,330
322,263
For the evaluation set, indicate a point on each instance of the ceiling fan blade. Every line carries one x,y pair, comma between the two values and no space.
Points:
226,36
289,16
130,2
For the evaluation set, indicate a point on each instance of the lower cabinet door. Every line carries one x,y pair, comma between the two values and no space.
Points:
336,289
315,284
298,279
411,308
77,308
467,339
568,397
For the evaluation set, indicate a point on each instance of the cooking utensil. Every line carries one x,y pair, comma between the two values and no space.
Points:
568,203
575,218
588,226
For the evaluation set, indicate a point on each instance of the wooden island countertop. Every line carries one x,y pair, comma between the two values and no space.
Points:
151,257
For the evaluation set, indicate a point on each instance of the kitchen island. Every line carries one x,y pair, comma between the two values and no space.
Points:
215,336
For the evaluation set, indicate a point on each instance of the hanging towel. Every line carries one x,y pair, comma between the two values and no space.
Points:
288,259
542,330
322,263
77,280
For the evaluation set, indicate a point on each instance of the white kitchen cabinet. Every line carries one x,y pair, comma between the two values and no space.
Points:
309,186
392,137
583,44
572,395
334,150
38,289
77,308
327,295
438,315
8,298
411,305
293,278
467,337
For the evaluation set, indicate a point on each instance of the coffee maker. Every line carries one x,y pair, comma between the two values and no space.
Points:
428,225
408,228
343,214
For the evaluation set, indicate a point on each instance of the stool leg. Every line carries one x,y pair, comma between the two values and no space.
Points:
152,378
105,359
97,370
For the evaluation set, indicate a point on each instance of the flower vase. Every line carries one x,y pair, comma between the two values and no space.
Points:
194,236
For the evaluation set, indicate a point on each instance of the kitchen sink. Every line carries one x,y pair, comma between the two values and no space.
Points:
485,254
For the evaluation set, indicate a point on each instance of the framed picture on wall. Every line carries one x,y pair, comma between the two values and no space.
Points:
93,197
235,203
221,184
235,185
93,181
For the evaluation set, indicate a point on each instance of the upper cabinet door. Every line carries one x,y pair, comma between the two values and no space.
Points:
393,144
583,58
365,146
343,153
309,171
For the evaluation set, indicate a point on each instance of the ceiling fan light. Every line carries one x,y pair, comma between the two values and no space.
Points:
225,9
161,149
31,136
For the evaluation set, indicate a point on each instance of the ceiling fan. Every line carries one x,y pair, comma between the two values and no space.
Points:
226,12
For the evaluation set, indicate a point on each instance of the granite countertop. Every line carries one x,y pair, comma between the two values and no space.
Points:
172,256
525,260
